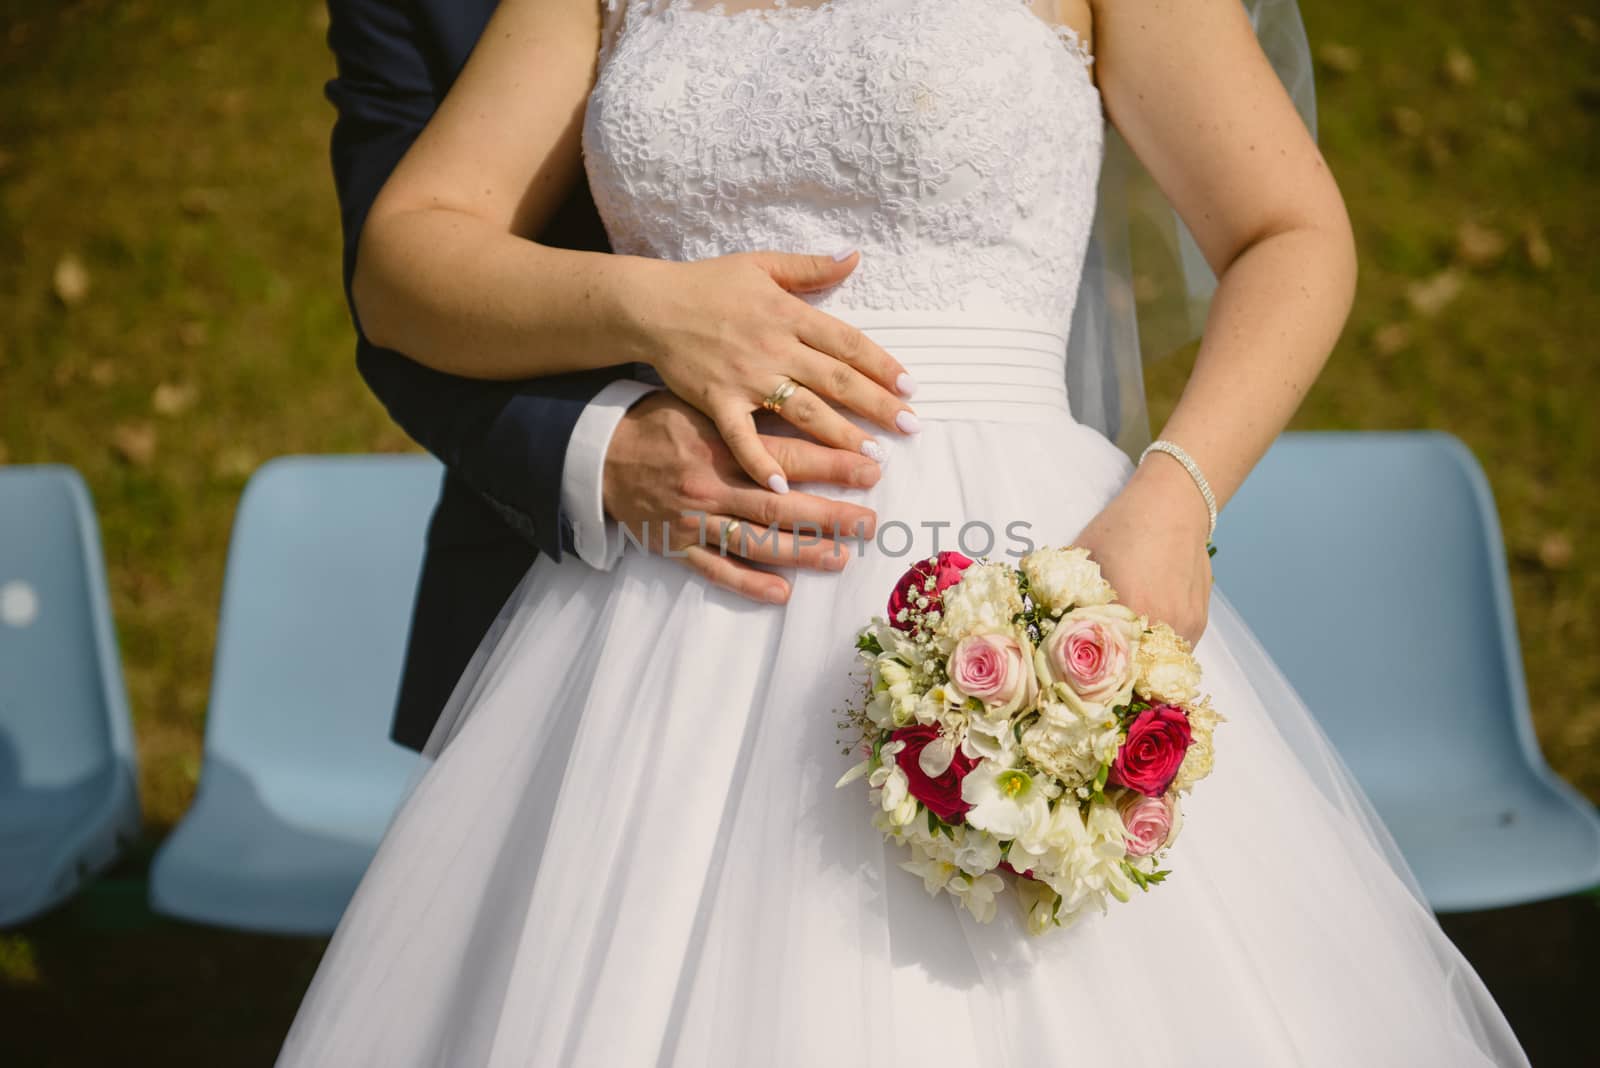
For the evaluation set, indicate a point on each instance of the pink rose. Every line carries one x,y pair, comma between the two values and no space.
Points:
994,669
1149,822
1092,653
1149,758
945,570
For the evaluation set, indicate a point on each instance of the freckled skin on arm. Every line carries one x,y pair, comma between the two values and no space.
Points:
1187,85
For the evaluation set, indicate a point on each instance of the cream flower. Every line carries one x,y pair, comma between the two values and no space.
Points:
1060,579
892,787
1197,761
1164,668
1071,741
985,600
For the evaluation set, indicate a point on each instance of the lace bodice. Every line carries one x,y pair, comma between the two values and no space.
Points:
958,143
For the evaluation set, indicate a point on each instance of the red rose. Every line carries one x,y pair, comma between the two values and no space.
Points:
942,795
946,569
1149,758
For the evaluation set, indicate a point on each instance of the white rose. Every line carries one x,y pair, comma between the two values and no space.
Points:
1060,579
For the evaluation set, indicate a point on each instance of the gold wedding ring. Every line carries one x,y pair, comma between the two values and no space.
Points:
729,527
773,402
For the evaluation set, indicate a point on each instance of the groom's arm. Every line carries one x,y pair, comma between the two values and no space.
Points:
532,449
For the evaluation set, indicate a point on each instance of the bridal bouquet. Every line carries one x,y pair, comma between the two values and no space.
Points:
1020,720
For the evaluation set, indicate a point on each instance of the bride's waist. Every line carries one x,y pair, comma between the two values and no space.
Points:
987,366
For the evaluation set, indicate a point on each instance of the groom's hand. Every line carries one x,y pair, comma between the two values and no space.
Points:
666,459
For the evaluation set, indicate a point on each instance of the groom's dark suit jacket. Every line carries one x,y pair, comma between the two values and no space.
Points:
502,444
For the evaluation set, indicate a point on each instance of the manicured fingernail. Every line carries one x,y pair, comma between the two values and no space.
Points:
842,255
864,476
873,451
908,423
778,484
905,384
775,596
834,561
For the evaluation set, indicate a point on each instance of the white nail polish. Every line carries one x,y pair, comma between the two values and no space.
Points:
842,255
908,423
778,484
873,451
905,384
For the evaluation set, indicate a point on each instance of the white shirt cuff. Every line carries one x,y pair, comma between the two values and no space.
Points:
597,538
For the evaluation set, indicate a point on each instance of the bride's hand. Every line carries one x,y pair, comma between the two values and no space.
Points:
724,333
1150,543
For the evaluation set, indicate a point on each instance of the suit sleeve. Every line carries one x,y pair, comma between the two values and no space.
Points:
507,440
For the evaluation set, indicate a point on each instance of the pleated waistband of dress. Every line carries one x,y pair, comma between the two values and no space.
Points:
986,366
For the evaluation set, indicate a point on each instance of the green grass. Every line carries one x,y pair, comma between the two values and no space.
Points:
179,155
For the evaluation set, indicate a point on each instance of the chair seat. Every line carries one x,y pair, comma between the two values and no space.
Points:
53,837
1383,550
236,861
1518,839
68,770
300,777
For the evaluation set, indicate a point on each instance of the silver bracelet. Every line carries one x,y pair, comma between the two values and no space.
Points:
1176,451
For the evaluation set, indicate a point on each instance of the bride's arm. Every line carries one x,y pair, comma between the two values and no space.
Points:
448,273
1187,85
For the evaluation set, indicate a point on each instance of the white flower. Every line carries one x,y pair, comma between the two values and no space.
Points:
991,738
892,788
977,893
941,706
1005,801
935,873
973,851
1091,852
1060,579
1038,904
985,600
894,696
1164,668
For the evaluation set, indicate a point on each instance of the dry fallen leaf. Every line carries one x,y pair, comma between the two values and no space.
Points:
1407,122
1459,68
1339,58
71,280
193,333
1430,295
135,443
172,398
1478,245
235,462
1390,338
1555,551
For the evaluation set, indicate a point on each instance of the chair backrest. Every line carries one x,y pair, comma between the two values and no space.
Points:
1371,567
63,707
322,570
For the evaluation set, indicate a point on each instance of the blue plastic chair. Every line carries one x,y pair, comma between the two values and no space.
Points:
1349,530
300,779
69,796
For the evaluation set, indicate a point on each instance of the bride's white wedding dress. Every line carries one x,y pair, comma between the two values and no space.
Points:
631,851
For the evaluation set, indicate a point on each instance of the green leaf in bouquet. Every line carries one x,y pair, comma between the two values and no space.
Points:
867,642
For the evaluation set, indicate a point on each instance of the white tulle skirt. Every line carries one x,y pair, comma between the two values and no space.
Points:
630,851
